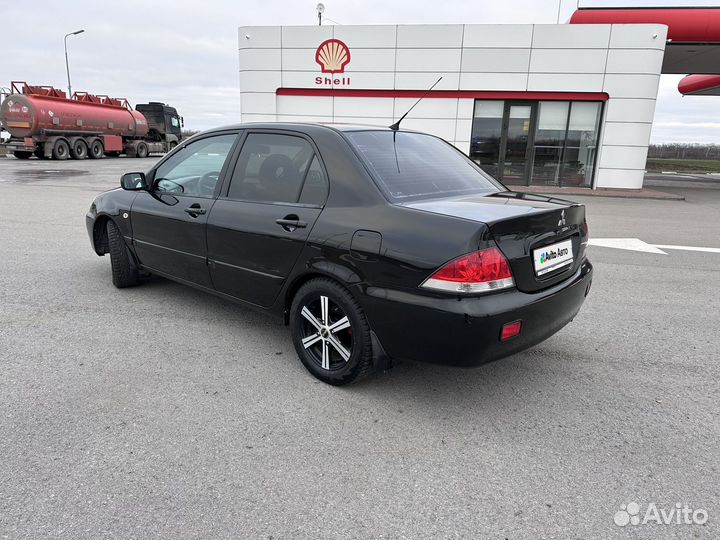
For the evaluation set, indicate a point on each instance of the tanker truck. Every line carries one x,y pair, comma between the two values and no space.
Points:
42,121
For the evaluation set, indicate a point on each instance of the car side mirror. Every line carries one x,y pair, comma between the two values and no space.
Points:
134,181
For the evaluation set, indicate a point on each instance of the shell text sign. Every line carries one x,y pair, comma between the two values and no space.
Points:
332,55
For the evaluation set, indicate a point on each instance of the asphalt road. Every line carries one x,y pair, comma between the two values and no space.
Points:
162,412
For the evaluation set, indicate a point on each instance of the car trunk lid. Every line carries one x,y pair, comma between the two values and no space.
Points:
525,227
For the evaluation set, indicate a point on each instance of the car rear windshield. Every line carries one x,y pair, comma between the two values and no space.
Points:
412,166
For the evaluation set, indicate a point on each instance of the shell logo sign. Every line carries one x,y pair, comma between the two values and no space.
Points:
332,55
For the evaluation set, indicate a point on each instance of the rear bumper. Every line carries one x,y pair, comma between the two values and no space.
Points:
466,331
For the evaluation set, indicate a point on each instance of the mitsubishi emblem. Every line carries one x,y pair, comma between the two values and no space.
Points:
561,222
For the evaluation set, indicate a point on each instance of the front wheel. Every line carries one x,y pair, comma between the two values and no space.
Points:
330,332
142,150
124,270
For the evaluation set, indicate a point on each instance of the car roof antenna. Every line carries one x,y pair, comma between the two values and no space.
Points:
396,125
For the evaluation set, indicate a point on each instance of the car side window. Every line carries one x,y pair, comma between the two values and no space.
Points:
271,168
315,188
194,170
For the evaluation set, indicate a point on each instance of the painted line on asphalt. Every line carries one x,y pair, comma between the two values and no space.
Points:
689,248
631,244
635,244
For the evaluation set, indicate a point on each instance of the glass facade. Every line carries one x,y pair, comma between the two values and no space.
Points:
551,143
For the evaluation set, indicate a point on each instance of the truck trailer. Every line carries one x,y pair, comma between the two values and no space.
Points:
43,122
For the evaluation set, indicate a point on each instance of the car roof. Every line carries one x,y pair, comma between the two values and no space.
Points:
303,126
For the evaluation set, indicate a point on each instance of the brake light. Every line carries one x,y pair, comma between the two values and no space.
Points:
484,270
584,228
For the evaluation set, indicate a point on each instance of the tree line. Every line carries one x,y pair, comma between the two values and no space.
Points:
684,151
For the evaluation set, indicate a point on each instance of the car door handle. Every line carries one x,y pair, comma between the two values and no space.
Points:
291,222
195,210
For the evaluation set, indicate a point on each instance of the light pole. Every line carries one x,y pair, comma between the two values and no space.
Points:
320,8
67,66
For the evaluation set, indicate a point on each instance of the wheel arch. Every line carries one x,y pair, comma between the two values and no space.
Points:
381,360
100,236
342,275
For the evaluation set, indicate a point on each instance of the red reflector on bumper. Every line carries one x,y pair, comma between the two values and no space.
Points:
510,330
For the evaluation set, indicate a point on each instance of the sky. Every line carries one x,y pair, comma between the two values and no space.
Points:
185,52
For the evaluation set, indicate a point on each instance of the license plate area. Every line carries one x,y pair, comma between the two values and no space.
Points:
549,259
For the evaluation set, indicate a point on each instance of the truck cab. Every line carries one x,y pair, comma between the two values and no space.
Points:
164,123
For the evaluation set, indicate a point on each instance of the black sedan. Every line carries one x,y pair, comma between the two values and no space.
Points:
373,244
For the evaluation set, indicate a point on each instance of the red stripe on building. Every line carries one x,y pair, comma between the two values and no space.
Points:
450,94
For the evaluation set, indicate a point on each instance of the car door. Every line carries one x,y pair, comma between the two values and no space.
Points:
168,221
259,224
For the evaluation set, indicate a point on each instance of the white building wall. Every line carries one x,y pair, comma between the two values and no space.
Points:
622,60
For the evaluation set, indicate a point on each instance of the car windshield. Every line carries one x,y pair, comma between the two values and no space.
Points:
412,166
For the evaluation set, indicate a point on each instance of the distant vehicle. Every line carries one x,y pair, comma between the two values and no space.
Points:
42,121
373,244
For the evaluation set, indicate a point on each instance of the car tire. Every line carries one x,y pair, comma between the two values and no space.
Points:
124,270
22,155
96,149
141,150
79,149
61,150
319,347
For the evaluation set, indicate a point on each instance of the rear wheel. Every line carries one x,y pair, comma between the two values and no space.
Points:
96,149
61,149
40,152
141,150
124,270
22,155
79,149
330,332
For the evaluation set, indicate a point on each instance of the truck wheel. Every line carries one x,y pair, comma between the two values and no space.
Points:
124,271
40,152
141,150
172,146
61,149
96,149
22,155
79,149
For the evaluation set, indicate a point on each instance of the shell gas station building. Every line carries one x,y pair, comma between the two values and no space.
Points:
534,105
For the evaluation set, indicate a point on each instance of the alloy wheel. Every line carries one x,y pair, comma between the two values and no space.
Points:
326,333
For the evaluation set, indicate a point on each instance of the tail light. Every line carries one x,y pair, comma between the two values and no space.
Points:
584,228
484,270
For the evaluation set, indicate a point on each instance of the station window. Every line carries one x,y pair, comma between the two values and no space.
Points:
536,142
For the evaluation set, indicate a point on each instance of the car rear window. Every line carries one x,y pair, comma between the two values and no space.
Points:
417,166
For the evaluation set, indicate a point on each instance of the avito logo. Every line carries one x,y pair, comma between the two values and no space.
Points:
552,254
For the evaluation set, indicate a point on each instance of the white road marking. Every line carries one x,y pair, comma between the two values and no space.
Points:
635,244
690,248
632,244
